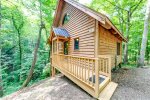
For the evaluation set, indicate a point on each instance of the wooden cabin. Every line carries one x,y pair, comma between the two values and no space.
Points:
85,46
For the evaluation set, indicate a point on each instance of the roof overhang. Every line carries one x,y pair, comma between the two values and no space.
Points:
62,33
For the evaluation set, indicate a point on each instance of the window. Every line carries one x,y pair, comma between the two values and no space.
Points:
66,18
76,44
118,48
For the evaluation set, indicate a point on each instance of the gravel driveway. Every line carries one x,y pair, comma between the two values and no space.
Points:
134,84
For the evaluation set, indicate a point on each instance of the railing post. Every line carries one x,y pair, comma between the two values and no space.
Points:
96,60
52,59
96,78
109,66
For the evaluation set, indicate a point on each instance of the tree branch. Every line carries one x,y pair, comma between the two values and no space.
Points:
136,6
116,5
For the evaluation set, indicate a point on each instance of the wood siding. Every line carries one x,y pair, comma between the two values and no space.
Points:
108,45
80,26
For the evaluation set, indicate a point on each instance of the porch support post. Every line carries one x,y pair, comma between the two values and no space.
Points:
57,45
52,68
96,61
109,67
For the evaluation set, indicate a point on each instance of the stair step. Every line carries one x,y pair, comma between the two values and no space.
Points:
108,91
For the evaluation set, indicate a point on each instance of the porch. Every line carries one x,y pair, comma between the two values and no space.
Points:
91,74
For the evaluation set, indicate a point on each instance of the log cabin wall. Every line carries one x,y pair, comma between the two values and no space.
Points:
108,45
80,26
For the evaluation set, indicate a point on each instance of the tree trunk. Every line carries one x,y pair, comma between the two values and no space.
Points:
127,34
1,83
145,35
147,56
34,60
20,53
147,52
42,26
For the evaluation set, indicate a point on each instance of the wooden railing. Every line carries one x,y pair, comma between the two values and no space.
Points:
85,70
80,67
105,64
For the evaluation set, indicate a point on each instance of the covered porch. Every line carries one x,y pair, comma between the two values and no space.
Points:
90,73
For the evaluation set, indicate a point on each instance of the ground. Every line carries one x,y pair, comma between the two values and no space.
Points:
134,84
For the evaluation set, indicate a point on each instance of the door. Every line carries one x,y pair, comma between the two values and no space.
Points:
66,48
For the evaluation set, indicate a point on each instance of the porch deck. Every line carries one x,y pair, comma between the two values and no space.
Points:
91,74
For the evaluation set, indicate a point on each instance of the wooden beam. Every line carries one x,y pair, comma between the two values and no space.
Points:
63,38
58,12
114,27
54,38
51,60
106,25
57,45
113,31
96,61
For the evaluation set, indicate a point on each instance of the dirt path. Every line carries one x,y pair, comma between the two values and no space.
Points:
134,84
59,88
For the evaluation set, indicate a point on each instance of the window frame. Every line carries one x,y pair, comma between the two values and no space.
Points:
64,18
118,48
76,49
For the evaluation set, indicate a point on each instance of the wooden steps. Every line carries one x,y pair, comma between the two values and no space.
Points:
108,91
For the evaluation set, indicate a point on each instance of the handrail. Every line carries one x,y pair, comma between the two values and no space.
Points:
77,56
105,56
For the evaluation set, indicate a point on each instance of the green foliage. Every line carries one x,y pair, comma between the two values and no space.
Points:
24,16
46,71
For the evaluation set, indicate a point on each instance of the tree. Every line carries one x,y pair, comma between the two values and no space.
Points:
18,23
145,36
13,10
42,26
1,83
130,12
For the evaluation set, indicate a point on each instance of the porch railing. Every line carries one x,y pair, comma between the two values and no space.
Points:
84,69
105,64
80,67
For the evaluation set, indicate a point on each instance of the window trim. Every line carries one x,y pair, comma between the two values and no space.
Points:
63,20
118,52
78,44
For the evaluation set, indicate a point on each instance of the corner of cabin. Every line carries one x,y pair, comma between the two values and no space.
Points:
92,47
